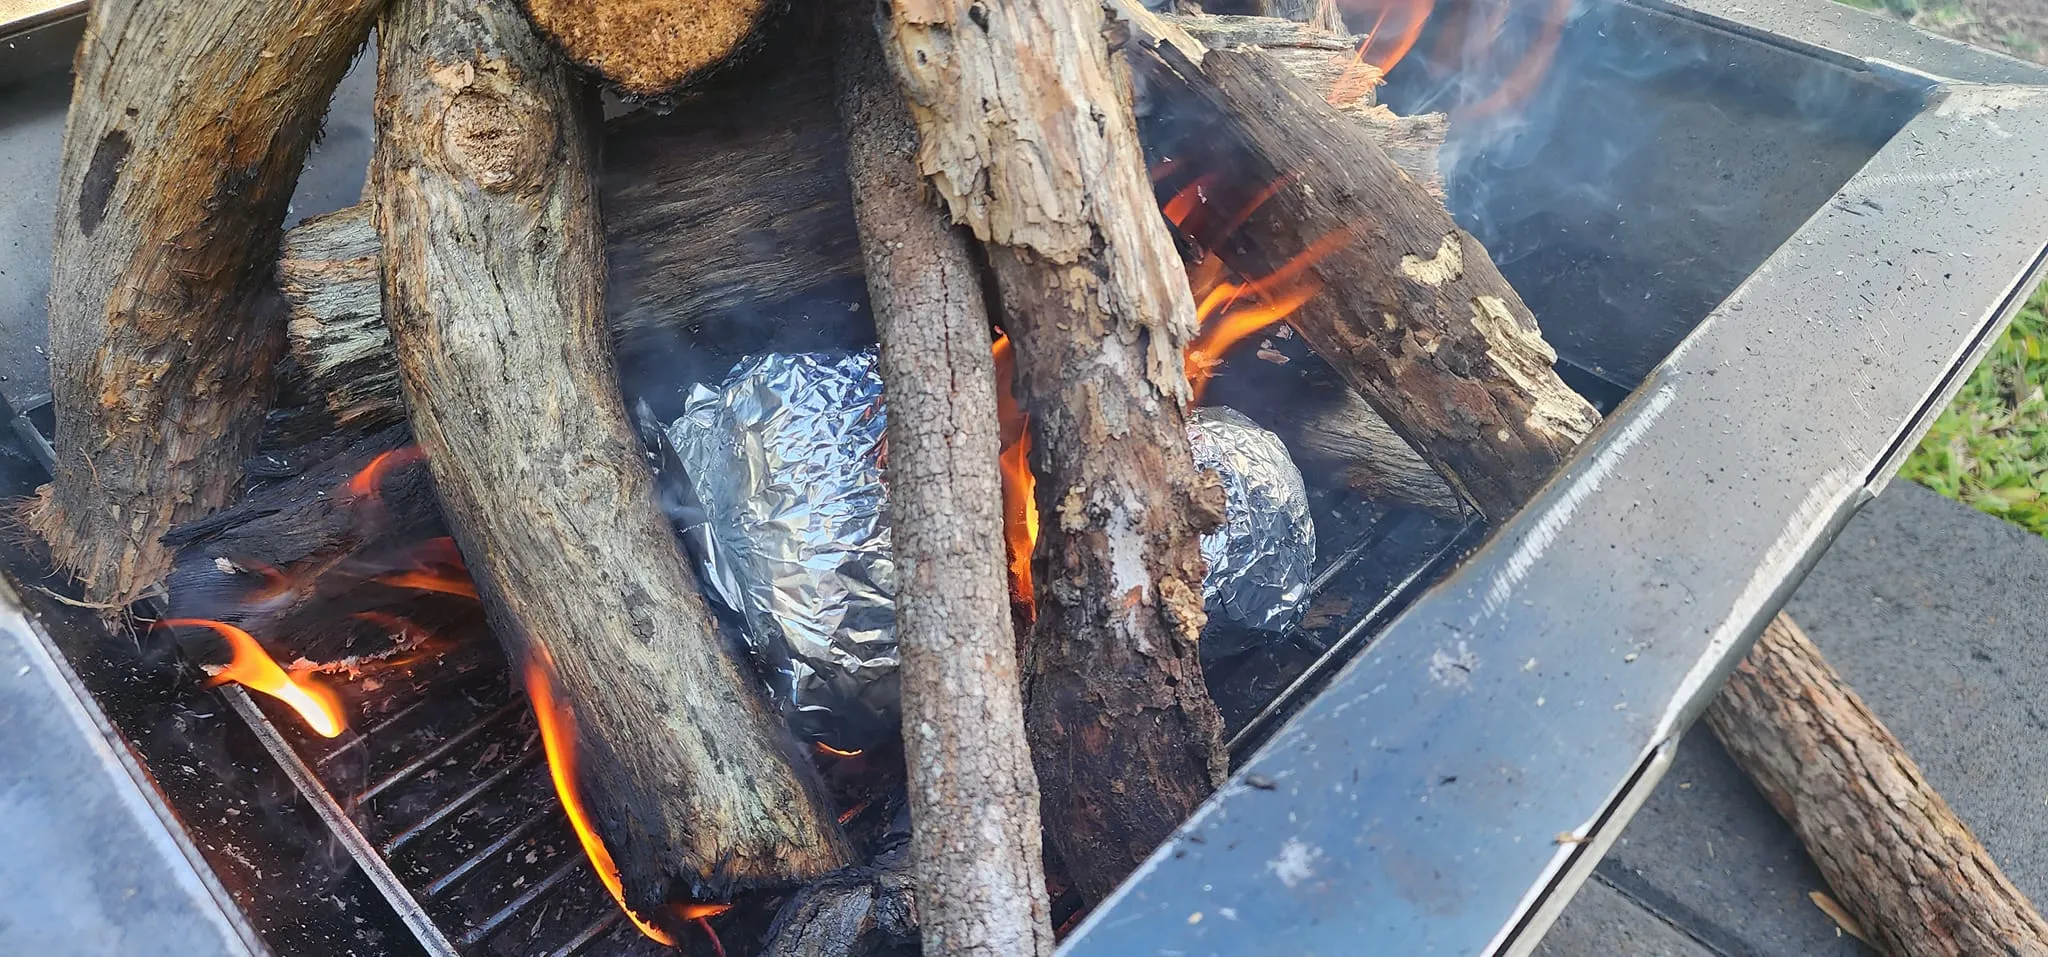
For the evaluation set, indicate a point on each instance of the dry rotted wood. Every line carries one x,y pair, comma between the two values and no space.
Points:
973,796
486,197
1896,856
189,123
649,46
1024,132
727,226
1413,312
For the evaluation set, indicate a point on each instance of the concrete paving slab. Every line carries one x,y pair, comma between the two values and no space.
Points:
1603,922
1938,615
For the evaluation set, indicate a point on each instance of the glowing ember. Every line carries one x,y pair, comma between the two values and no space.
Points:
824,748
558,740
437,567
253,668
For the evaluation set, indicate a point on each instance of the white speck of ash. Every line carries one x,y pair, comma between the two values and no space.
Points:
1295,863
1453,671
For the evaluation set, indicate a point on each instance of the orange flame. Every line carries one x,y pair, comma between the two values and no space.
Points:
824,748
1020,510
1522,80
557,738
253,668
366,483
437,567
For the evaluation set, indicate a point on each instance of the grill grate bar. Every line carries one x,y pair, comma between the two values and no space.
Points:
442,750
601,927
505,840
527,759
511,910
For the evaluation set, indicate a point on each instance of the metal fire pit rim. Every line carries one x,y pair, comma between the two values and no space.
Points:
1962,160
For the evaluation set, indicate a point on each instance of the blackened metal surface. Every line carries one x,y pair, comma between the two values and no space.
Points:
1449,788
91,864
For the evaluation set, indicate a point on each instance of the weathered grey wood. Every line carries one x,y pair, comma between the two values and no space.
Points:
1024,132
189,123
649,46
487,201
1413,312
1895,855
973,796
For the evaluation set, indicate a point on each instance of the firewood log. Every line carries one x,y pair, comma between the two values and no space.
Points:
973,796
1910,872
649,46
1413,312
486,195
1025,134
726,222
188,127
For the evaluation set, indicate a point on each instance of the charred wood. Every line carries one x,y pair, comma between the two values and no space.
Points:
487,197
185,140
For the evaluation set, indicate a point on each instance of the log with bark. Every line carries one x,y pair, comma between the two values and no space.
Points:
1412,313
973,797
649,47
485,189
1024,132
188,126
1910,872
728,228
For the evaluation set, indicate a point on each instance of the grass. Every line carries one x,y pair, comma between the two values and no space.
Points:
1990,447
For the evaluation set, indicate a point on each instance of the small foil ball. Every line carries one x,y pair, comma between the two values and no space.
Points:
1260,559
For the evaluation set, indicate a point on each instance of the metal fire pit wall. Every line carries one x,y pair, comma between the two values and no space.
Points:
1451,787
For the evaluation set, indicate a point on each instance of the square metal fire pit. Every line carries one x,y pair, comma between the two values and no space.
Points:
1770,243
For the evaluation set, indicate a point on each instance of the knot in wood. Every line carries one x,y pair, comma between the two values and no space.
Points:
493,131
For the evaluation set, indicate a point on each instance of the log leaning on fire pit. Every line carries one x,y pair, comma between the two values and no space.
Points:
1413,312
1025,133
485,176
973,797
187,130
1899,859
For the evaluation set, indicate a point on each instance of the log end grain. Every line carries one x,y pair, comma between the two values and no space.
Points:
649,47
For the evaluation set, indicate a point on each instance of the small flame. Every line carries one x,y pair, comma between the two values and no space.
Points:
1529,71
253,668
824,748
367,483
557,738
437,567
1020,510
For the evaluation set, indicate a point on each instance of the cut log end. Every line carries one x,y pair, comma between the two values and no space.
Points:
649,47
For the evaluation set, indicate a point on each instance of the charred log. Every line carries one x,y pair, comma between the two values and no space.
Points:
486,190
1413,312
183,146
1901,862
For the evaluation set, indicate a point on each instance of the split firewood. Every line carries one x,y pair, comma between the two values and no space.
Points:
1025,134
649,46
1413,312
186,136
486,195
1910,872
973,796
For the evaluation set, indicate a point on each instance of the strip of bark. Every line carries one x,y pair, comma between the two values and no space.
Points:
1896,856
973,797
189,124
1412,313
485,175
1024,133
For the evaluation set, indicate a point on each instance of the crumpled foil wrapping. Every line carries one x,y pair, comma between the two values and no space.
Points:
785,460
1259,561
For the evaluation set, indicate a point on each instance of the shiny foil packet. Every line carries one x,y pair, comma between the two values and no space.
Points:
1260,560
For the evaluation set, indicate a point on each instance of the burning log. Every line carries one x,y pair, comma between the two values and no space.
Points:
734,206
484,173
1909,871
973,796
1413,312
1025,134
184,143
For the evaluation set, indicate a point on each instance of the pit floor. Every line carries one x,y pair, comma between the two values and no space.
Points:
1937,615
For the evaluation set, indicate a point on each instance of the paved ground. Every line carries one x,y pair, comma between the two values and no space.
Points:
1938,615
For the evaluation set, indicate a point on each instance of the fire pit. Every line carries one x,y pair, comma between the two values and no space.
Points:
1768,246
